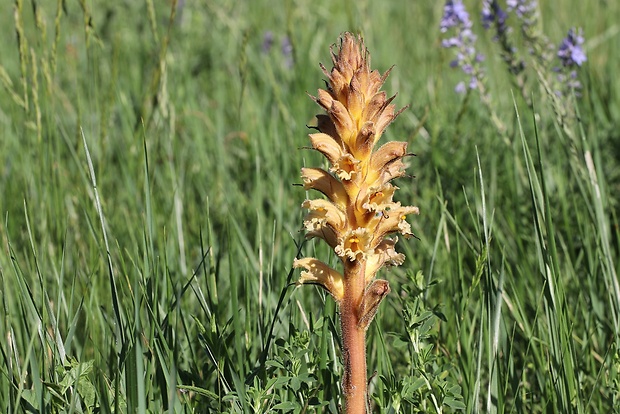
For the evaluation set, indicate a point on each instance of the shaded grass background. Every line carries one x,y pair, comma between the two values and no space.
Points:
194,134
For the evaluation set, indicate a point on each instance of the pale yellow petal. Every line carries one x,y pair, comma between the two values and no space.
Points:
323,212
380,198
393,222
328,146
322,181
384,255
326,232
346,167
388,153
345,127
355,244
319,273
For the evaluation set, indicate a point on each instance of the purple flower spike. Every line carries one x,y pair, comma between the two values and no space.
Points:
487,15
526,11
523,8
456,19
454,14
287,52
492,12
267,41
570,51
287,46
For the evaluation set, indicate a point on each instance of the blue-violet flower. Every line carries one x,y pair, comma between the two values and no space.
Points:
570,51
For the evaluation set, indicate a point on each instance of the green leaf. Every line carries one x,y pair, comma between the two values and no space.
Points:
286,406
198,390
454,403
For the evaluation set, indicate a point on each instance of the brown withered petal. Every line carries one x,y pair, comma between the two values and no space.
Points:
350,57
387,153
386,163
383,120
391,171
321,274
374,106
377,79
355,99
322,181
324,98
326,126
373,295
338,85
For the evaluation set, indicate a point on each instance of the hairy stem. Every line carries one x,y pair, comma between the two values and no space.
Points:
354,383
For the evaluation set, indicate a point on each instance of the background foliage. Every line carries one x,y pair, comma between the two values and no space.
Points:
159,278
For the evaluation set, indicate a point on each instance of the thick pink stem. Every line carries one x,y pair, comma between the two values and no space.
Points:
354,383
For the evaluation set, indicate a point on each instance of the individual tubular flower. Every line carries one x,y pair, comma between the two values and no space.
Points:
570,51
321,274
358,212
571,56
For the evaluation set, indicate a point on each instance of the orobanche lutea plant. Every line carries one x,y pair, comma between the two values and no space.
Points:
359,217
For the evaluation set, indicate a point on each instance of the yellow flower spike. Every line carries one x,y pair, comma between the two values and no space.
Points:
321,274
359,212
